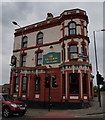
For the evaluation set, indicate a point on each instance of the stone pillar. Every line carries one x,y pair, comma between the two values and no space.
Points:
88,84
66,87
11,84
66,52
80,87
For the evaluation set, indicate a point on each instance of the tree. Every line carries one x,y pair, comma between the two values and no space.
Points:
103,88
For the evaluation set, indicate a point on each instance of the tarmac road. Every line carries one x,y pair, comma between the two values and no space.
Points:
92,113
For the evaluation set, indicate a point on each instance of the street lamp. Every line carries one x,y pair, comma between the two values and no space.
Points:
20,61
15,23
95,49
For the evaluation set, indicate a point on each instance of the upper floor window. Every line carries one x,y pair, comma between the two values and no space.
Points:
72,28
39,58
23,64
24,84
83,50
24,42
73,52
84,53
40,38
63,54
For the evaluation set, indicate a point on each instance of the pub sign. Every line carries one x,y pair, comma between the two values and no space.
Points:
51,58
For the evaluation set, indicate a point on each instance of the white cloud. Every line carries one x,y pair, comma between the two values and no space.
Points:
26,13
52,1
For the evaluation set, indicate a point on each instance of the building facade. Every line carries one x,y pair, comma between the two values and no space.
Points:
57,47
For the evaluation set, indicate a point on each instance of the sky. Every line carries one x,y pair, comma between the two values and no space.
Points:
27,13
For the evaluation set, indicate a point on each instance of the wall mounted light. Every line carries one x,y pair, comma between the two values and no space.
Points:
51,46
50,66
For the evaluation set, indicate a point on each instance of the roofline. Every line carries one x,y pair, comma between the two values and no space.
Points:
57,19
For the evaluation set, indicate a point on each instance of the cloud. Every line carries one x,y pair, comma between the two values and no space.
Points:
26,13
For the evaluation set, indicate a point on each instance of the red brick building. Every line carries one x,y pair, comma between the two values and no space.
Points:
59,47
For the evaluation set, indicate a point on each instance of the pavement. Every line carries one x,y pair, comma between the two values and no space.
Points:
91,112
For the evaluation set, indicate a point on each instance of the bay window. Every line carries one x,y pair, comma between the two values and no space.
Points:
72,28
73,52
74,83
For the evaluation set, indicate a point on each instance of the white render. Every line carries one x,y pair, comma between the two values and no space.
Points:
50,35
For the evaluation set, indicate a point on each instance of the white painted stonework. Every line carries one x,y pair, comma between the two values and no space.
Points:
74,97
85,97
37,96
23,96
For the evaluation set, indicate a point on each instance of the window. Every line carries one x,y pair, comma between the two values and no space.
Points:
91,88
84,79
63,83
72,28
16,84
73,52
39,59
83,49
37,84
24,84
74,83
63,55
40,38
85,31
24,42
23,60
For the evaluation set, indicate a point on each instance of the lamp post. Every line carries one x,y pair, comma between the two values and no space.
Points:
15,23
20,60
95,49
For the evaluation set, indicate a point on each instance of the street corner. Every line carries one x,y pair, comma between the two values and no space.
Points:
58,115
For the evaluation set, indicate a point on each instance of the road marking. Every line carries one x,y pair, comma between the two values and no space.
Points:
89,115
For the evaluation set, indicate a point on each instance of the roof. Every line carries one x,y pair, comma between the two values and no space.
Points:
52,21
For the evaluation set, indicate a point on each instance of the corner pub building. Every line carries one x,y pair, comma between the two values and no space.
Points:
57,47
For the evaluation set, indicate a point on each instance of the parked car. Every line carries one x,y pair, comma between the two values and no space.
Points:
11,106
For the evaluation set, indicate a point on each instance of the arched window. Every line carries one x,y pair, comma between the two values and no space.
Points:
40,38
72,28
24,42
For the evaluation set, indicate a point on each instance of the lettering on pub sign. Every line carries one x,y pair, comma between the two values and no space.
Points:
51,58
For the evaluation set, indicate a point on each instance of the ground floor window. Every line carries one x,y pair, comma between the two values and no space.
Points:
16,84
91,88
24,84
37,84
74,83
63,83
84,79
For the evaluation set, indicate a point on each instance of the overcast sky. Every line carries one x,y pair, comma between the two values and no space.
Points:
26,13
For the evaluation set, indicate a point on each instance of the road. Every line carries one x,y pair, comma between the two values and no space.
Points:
95,112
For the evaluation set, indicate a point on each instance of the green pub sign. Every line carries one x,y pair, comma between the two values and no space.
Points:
52,58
